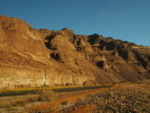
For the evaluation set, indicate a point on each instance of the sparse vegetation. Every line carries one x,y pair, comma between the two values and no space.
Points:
125,97
45,95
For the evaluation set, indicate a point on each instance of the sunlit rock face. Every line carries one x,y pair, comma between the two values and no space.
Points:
33,58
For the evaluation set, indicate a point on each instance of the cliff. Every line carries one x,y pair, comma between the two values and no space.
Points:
30,57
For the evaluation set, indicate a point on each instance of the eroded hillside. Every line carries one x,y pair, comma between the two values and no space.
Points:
31,57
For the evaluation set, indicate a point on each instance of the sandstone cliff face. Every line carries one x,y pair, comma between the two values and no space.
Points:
32,58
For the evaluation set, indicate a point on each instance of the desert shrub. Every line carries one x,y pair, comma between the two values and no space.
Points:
45,95
64,103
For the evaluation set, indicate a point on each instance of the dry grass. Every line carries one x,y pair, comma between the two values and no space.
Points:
12,103
46,101
63,99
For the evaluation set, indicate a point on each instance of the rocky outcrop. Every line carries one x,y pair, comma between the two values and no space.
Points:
32,58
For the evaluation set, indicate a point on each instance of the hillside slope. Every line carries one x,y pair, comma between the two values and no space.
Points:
30,57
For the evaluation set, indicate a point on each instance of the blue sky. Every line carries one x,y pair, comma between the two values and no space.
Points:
122,19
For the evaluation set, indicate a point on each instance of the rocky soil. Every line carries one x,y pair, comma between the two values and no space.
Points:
125,99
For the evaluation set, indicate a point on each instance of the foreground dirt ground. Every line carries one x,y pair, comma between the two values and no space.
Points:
121,98
133,98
